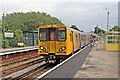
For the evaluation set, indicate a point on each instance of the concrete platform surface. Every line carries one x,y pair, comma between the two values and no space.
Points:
99,64
69,68
14,49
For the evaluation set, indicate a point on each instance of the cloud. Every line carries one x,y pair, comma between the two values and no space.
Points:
87,15
14,6
59,0
84,14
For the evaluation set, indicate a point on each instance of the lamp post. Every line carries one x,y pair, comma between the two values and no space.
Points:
3,31
107,20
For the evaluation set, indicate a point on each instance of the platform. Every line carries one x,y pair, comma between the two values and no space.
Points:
91,63
100,63
15,49
69,68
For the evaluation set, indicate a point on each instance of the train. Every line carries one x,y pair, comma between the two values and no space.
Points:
57,42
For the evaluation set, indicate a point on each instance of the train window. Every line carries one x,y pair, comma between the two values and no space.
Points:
82,38
53,34
76,37
43,34
61,34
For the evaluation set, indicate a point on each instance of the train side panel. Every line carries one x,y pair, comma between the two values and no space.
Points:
76,41
69,42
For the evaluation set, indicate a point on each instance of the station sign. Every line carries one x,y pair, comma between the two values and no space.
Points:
8,34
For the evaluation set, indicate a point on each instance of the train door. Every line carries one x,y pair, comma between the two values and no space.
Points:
72,41
52,42
84,40
79,40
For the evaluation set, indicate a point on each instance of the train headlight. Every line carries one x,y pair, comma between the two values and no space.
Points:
62,48
42,48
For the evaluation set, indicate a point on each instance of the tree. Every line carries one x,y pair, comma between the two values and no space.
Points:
74,27
115,28
17,22
97,30
29,20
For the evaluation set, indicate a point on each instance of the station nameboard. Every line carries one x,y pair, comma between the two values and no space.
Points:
8,34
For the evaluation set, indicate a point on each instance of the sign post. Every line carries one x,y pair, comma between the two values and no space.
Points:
9,35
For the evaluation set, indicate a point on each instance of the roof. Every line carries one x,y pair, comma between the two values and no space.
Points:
93,34
114,32
52,25
74,30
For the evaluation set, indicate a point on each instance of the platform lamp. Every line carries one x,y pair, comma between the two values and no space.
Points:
3,30
107,19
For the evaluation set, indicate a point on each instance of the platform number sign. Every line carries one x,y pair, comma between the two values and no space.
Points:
8,34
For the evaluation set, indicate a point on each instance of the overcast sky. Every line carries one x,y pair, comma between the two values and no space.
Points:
86,15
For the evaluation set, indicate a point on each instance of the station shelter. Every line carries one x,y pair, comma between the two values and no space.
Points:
112,41
30,38
101,38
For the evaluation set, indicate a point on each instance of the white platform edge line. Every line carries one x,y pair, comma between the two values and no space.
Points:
59,64
17,51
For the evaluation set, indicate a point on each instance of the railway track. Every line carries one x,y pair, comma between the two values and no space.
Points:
20,67
10,63
30,70
14,58
31,75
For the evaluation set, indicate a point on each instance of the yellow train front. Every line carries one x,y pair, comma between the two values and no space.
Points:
57,42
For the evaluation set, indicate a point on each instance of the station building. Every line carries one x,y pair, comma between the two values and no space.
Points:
112,41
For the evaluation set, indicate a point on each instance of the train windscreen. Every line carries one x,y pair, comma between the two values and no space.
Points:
62,34
43,34
52,34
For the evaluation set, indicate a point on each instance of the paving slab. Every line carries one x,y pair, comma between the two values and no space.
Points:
69,69
99,64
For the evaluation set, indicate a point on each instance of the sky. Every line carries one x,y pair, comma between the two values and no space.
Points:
85,14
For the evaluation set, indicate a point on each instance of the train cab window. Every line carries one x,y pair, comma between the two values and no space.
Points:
52,34
61,34
43,34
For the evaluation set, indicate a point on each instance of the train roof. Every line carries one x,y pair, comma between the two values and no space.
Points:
75,30
50,26
54,25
